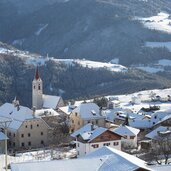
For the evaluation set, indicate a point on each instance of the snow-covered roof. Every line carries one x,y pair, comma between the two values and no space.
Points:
3,136
67,109
50,101
104,159
86,128
46,112
88,111
10,111
154,133
17,117
126,130
89,132
165,167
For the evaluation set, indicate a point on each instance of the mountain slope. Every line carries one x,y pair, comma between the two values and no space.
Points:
73,80
92,29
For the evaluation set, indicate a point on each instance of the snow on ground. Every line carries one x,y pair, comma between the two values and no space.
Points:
42,27
34,59
108,66
159,45
161,22
164,62
158,66
151,69
41,155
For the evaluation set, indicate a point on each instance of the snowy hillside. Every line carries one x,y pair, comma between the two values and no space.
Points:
34,59
161,22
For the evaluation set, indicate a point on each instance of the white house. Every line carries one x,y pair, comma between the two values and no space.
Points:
129,135
25,130
90,138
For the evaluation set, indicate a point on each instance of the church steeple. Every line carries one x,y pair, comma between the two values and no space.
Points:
37,76
37,91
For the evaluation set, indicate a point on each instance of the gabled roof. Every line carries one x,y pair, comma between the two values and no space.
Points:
89,132
104,159
88,111
126,130
86,128
50,101
117,160
8,110
153,134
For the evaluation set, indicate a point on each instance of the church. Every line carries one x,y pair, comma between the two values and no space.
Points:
40,100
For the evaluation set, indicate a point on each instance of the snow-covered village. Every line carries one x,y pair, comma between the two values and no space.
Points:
124,132
85,85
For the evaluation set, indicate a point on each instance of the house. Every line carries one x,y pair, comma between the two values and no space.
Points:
90,138
103,159
154,134
40,100
129,135
25,130
86,113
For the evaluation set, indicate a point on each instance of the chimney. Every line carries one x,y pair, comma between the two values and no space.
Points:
34,111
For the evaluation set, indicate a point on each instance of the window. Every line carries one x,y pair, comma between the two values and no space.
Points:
41,133
72,121
115,143
37,125
132,137
9,134
22,135
39,87
13,144
26,126
42,142
34,86
95,145
13,135
29,143
106,144
29,135
31,126
9,143
97,122
78,122
75,113
22,144
88,121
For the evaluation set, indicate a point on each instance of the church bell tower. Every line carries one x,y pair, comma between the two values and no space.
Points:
37,91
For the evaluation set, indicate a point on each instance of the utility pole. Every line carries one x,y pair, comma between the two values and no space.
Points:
4,123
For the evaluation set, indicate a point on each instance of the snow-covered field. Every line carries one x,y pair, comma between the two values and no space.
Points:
158,66
159,45
34,59
161,22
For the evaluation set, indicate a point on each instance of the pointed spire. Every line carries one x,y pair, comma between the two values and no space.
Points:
37,76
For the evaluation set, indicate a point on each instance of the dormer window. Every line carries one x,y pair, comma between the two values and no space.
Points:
93,112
